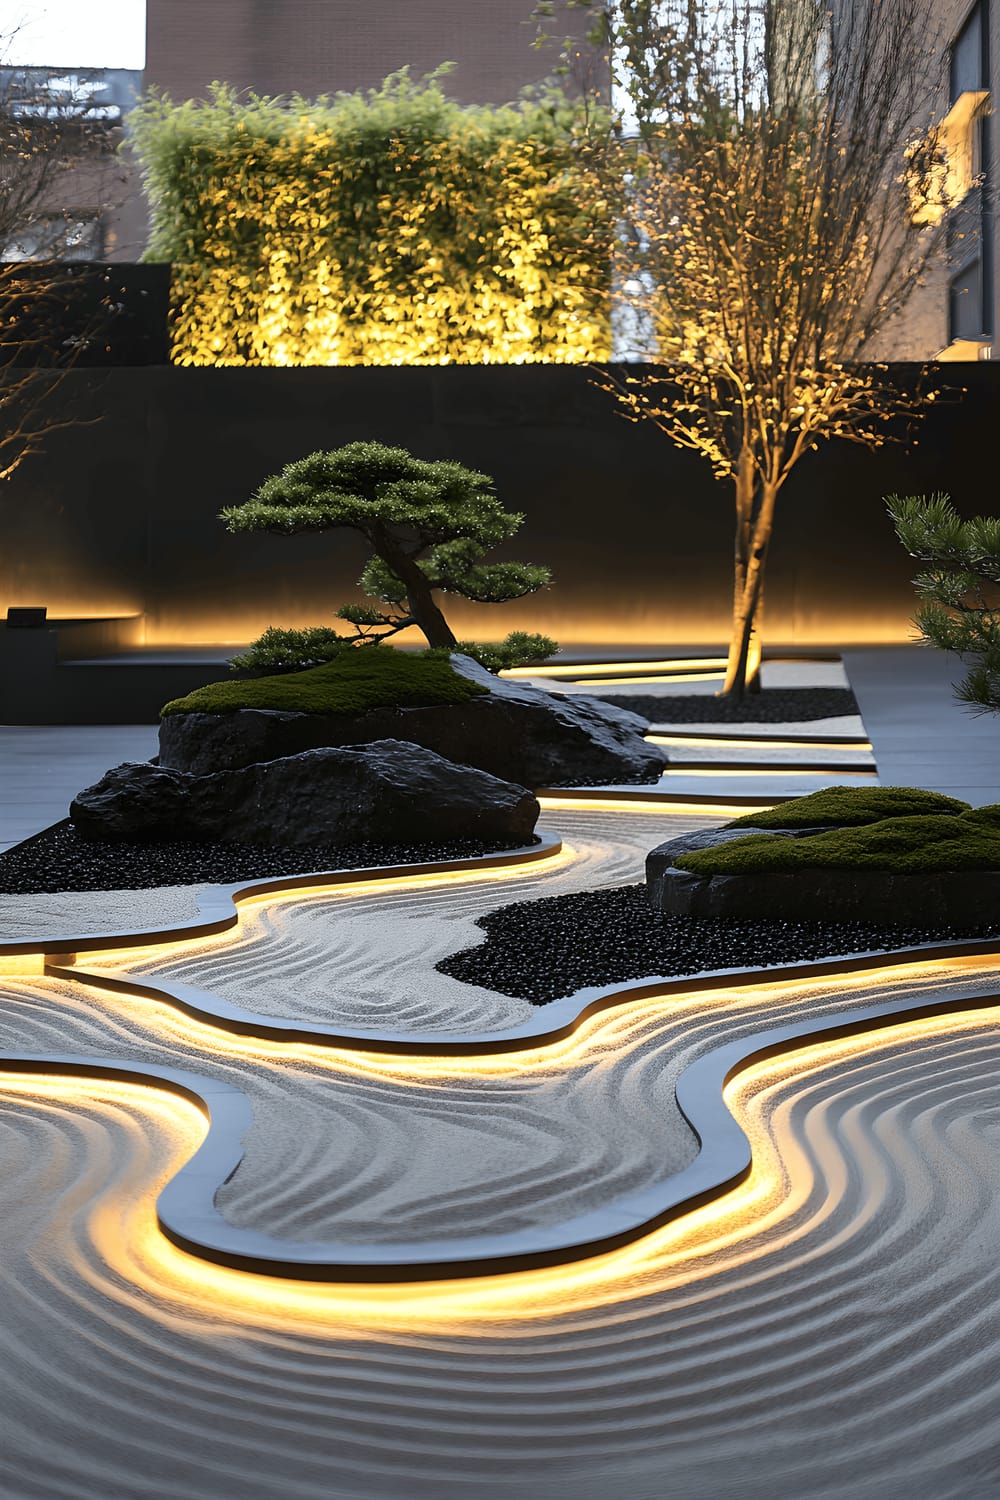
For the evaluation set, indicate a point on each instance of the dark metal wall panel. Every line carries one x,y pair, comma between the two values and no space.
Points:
120,516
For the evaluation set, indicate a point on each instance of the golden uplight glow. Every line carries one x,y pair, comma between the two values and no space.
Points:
207,624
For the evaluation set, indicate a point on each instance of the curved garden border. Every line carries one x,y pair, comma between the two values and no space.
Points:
187,1215
218,911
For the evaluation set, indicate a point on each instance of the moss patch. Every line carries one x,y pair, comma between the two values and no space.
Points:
987,817
849,807
358,680
905,846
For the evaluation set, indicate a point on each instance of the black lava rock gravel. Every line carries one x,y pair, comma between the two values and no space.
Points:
769,706
541,950
59,860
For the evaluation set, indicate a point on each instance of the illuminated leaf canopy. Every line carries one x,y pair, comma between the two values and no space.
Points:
767,246
382,228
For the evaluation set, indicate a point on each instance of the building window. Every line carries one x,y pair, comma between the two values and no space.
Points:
965,303
970,232
57,237
969,56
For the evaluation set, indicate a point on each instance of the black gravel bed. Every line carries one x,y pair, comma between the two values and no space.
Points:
769,706
59,860
542,950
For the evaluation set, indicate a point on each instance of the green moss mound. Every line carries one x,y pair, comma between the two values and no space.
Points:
988,816
354,682
849,807
901,845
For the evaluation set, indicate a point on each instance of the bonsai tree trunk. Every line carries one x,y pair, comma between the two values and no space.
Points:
418,591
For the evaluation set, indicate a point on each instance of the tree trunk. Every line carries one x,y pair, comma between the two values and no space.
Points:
419,598
752,541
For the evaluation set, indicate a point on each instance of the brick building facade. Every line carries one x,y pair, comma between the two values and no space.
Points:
317,47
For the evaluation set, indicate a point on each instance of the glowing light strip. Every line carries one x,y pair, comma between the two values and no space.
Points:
219,912
570,799
592,668
202,1019
828,768
725,1231
675,679
754,742
187,1214
762,772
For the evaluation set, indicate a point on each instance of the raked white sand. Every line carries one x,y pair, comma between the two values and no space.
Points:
830,1331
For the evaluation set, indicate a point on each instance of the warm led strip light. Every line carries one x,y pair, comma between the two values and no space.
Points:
751,742
590,668
187,1215
220,912
571,799
762,773
731,1058
671,679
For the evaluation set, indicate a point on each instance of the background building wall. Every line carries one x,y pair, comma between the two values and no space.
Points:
120,517
314,47
923,331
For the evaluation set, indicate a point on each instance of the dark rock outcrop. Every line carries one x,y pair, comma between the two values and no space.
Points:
386,792
966,898
516,732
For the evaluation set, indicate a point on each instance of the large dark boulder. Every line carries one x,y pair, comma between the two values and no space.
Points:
517,732
386,792
963,897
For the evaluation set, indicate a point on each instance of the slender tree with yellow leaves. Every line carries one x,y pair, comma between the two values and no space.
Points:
770,236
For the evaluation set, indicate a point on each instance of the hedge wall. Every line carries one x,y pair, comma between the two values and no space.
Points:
394,227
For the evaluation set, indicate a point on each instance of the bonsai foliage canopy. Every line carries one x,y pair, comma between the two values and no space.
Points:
960,587
429,524
768,237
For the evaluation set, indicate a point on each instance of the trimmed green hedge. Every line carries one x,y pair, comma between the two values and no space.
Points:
367,677
901,845
848,806
393,227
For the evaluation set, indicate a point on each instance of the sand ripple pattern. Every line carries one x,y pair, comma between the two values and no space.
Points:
366,960
831,1333
830,1329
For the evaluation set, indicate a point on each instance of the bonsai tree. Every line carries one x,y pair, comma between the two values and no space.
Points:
429,523
961,587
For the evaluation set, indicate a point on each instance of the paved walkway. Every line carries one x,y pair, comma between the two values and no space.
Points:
42,769
921,737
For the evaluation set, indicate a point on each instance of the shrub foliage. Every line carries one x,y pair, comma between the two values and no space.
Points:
381,228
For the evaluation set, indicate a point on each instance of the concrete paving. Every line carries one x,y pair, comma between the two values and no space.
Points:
42,769
921,735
